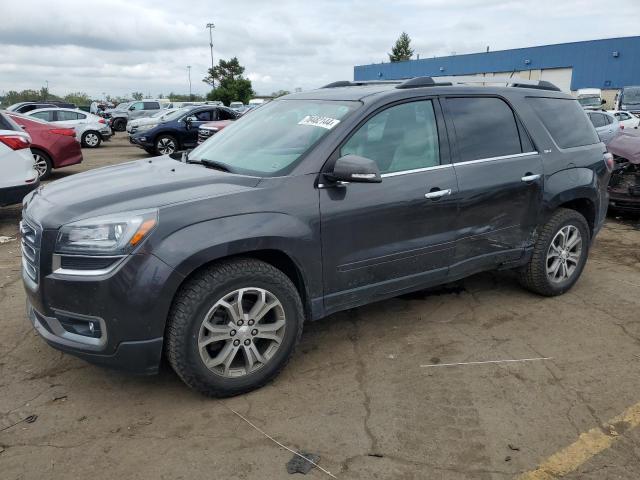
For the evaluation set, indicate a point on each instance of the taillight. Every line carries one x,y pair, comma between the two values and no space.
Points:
69,132
609,161
15,142
102,121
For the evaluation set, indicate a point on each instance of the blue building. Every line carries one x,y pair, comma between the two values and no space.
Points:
608,64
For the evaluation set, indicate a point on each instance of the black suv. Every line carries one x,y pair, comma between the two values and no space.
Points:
315,203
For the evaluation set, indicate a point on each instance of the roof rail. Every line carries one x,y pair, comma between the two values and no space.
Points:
359,83
509,81
418,82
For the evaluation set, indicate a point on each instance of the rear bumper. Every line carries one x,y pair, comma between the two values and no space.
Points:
137,357
12,195
626,203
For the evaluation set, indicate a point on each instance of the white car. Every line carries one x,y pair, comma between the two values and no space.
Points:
607,126
626,119
90,129
134,125
18,175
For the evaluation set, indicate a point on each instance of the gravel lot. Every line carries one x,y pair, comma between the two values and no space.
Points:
357,392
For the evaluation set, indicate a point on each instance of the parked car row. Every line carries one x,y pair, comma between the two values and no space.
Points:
52,146
178,130
90,129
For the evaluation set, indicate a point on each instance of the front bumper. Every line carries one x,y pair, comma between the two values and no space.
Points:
127,306
141,141
137,357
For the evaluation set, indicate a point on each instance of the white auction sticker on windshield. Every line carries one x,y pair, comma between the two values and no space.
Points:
318,121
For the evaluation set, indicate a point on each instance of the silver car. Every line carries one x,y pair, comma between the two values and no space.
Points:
137,109
91,130
606,125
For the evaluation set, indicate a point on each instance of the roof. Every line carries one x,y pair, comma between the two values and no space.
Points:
357,92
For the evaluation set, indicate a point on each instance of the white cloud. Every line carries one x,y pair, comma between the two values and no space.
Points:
119,47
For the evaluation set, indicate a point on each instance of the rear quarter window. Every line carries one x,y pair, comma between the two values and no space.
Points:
565,121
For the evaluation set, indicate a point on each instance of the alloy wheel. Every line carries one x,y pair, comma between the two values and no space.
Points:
241,332
40,164
564,254
91,139
166,146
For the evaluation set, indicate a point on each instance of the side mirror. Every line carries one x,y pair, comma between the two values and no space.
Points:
190,119
603,101
353,168
132,108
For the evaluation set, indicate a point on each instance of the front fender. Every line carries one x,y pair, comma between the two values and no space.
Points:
198,244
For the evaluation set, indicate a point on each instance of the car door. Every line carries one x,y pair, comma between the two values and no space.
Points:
199,117
499,179
136,110
382,239
602,126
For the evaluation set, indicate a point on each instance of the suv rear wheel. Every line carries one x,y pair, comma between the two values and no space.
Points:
119,124
233,327
559,254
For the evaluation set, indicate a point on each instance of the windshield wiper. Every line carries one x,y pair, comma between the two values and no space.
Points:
215,165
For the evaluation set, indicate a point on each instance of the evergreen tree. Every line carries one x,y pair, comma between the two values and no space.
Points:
402,50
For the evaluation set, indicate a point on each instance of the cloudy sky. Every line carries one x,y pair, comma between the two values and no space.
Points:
120,46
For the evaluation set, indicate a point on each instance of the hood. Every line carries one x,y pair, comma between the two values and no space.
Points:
129,186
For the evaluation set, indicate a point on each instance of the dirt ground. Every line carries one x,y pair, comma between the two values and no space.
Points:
358,392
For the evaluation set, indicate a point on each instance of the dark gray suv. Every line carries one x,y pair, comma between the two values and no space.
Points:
315,203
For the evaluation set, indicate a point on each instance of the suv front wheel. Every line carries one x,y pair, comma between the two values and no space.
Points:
559,254
233,327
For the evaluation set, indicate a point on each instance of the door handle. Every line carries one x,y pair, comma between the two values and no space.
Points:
434,195
530,177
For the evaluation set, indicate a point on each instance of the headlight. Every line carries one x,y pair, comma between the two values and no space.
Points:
147,127
116,234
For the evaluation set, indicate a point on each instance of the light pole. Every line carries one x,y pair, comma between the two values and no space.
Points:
46,92
211,26
189,73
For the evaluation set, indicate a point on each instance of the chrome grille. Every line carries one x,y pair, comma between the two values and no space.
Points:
30,243
204,134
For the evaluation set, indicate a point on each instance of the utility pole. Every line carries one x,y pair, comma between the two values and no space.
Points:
46,93
189,73
211,26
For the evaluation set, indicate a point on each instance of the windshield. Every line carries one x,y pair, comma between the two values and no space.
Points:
590,101
122,106
631,95
274,137
176,113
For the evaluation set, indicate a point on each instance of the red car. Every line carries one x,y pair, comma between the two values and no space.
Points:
208,129
52,146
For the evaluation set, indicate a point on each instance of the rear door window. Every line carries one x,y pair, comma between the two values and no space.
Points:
565,121
598,120
485,127
64,116
151,106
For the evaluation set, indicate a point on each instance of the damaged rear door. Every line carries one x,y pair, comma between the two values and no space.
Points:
500,179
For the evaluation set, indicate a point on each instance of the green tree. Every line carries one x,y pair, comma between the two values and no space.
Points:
79,98
228,82
402,50
280,93
184,97
137,95
230,69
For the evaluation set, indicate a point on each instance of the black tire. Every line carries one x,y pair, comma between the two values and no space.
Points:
163,144
197,297
534,275
43,162
119,124
91,139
